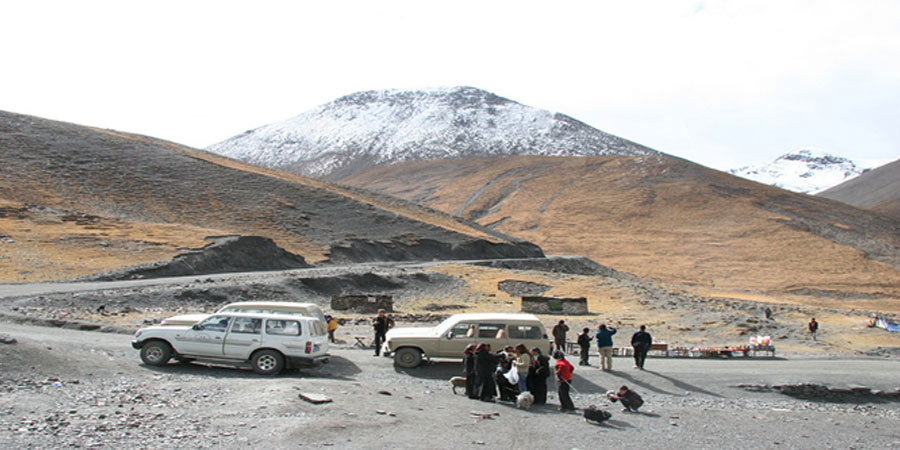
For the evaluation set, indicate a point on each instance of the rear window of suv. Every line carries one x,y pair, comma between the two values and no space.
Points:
283,327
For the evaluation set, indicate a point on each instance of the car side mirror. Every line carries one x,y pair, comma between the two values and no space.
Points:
197,326
450,335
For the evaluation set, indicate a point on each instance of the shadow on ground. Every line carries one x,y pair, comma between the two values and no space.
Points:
338,368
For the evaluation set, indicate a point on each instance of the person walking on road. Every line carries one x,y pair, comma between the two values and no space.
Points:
641,342
564,371
332,327
605,345
381,323
813,328
559,335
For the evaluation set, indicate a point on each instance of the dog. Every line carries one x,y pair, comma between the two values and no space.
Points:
524,400
457,382
592,414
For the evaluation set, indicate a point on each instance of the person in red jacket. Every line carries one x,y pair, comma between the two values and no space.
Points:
564,371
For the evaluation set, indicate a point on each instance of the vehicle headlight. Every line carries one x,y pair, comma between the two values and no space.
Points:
138,334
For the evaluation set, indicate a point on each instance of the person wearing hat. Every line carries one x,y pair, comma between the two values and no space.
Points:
584,341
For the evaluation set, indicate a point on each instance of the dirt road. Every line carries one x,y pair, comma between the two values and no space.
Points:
74,388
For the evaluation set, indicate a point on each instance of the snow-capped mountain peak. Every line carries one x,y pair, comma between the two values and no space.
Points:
386,126
807,171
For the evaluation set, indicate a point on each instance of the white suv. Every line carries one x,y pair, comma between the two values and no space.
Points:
268,342
300,309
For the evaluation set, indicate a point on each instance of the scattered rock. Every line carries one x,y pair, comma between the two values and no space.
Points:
6,339
314,398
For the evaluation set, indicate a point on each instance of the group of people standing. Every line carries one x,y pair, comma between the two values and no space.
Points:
640,342
513,370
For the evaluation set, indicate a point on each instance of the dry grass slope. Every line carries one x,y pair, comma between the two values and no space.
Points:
664,218
144,190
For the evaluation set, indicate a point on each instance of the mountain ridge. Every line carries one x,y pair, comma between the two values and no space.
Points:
387,126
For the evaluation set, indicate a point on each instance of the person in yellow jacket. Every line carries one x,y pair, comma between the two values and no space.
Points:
332,327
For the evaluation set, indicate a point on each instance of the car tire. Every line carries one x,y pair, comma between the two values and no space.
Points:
267,362
408,357
156,353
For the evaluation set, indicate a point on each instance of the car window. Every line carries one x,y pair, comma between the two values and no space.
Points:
283,327
247,325
216,323
318,328
491,330
524,332
463,330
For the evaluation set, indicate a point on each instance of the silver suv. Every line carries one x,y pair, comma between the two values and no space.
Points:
268,342
450,338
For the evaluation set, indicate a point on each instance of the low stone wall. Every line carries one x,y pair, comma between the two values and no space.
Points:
554,305
363,303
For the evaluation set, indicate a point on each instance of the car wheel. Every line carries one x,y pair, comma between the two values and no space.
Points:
408,357
156,353
267,362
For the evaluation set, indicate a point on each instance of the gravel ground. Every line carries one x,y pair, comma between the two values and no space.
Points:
61,387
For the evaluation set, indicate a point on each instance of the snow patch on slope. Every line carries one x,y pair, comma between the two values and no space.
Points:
807,171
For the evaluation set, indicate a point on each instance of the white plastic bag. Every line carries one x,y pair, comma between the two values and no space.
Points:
512,376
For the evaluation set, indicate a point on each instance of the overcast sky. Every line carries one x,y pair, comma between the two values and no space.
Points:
721,83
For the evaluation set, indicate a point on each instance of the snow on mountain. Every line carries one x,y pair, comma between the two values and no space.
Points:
807,171
375,127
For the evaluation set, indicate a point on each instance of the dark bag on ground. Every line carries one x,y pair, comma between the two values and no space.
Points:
592,414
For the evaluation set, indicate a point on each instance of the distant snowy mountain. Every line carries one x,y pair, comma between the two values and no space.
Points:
376,127
807,171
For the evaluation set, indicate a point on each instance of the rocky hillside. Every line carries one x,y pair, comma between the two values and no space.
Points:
807,171
76,200
877,190
665,218
384,127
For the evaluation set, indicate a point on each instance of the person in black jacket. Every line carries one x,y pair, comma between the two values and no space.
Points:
485,367
630,399
381,323
641,341
584,341
537,377
469,370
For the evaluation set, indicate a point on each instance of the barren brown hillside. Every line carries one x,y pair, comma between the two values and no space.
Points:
877,190
666,218
76,200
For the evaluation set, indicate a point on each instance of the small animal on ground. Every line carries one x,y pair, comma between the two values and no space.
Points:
524,400
592,414
458,382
